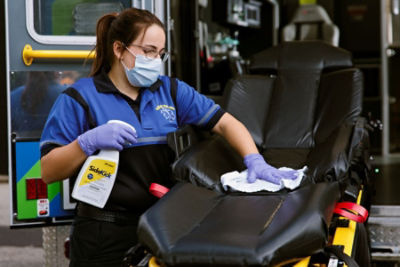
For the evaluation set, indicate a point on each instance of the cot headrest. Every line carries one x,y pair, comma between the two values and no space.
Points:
311,13
300,56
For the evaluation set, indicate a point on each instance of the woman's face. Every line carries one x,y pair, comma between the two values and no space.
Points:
150,44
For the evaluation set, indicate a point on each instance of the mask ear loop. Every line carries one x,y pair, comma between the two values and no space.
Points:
129,51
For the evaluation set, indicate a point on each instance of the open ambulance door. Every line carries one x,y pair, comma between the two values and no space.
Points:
48,46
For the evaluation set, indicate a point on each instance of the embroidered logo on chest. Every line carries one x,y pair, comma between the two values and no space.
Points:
168,112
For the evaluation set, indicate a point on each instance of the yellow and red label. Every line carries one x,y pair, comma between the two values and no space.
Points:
98,169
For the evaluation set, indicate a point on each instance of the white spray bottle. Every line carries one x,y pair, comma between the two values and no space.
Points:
97,176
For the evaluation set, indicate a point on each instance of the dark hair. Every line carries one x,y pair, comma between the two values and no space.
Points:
124,27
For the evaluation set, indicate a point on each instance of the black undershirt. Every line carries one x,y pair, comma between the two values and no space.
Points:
134,104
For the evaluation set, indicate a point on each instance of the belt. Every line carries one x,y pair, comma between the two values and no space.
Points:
85,210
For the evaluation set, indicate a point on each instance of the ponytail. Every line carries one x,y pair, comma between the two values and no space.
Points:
103,46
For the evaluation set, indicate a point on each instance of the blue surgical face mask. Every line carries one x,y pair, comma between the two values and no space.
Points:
145,72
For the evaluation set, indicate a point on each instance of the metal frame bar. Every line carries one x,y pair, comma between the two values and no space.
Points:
161,10
197,46
275,21
385,9
169,23
8,93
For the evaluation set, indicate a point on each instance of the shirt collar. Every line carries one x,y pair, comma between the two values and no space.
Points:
104,84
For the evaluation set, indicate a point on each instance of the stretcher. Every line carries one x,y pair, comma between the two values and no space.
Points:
199,232
302,105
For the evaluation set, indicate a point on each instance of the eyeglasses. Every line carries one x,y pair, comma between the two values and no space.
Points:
150,52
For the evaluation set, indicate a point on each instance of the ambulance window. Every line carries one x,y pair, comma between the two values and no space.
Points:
68,22
32,95
72,17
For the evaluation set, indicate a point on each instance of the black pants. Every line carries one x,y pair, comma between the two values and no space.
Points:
99,243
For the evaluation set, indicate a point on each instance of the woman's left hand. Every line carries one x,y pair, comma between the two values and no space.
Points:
259,169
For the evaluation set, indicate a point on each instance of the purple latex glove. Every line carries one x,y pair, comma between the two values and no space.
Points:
107,136
258,168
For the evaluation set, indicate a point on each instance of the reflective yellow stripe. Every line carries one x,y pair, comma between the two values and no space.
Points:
307,2
303,263
153,262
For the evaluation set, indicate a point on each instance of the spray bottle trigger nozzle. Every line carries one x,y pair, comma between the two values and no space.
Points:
124,123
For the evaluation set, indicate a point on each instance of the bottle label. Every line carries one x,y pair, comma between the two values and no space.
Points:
95,184
98,169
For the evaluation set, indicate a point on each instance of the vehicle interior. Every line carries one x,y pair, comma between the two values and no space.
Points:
314,81
325,133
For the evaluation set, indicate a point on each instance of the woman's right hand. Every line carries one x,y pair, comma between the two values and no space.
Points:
107,136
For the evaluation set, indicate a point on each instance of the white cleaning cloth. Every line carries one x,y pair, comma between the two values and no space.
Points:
238,182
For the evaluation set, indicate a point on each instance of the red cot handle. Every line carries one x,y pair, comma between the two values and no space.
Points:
158,190
351,211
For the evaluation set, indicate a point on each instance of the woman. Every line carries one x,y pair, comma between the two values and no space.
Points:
125,85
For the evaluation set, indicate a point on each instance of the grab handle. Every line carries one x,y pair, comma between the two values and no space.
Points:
28,54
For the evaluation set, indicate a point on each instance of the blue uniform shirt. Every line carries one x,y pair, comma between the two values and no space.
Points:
94,101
